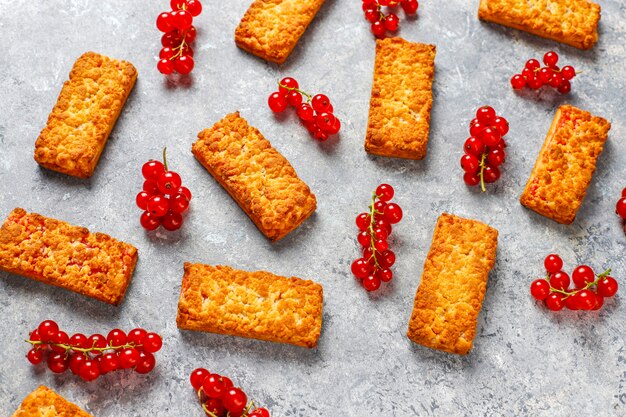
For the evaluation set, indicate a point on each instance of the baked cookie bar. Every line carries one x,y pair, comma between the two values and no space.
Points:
84,115
43,402
259,305
453,285
271,29
566,163
66,256
256,175
573,22
399,116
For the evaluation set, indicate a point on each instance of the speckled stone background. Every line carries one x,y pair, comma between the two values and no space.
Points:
526,361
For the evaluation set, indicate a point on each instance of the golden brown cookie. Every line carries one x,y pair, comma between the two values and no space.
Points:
43,402
259,305
566,163
256,175
399,116
453,284
84,114
66,256
573,22
271,29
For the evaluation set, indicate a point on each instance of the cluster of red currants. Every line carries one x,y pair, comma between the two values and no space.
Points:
535,76
484,149
555,289
316,113
375,228
382,23
620,208
220,398
176,54
90,357
163,199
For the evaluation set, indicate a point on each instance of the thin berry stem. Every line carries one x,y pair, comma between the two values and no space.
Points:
373,212
83,350
586,287
307,95
180,47
482,171
165,158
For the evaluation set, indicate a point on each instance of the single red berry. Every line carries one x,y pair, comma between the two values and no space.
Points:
555,302
385,275
171,39
599,302
277,102
364,238
321,103
371,283
197,377
216,407
190,35
136,336
372,15
409,6
213,386
158,205
607,287
363,221
58,363
540,289
148,221
378,28
128,358
496,157
476,128
534,83
471,178
384,192
568,72
490,136
177,4
502,125
550,58
518,82
109,362
142,200
186,50
184,64
182,19
392,213
620,208
152,343
470,163
559,280
305,112
325,121
381,245
61,338
383,222
287,84
583,275
184,191
532,64
391,22
565,87
335,128
294,98
165,22
491,174
545,75
234,400
387,259
380,234
320,135
586,299
90,370
96,341
556,80
485,114
194,7
360,268
117,337
151,187
169,182
369,4
172,221
34,356
79,340
259,412
76,361
571,302
553,263
474,146
379,206
145,363
47,330
179,203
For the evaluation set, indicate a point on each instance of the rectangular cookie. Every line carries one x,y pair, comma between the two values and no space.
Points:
84,114
256,175
66,256
399,116
259,305
453,284
43,402
573,22
566,163
270,29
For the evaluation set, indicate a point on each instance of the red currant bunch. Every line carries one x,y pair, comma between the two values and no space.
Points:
316,113
220,398
163,199
620,208
90,357
180,33
374,230
484,149
382,23
535,76
588,292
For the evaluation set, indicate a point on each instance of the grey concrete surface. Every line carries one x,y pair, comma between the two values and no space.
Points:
526,361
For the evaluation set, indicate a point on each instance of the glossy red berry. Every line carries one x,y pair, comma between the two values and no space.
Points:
169,182
76,361
184,64
79,340
555,302
534,83
392,213
586,299
97,341
58,363
560,280
471,178
136,336
179,203
194,7
378,28
485,114
158,205
550,59
409,6
496,157
149,221
372,15
172,221
491,174
607,287
502,125
286,85
145,363
391,22
360,268
128,358
165,66
165,22
117,337
518,82
277,102
90,370
583,275
197,377
553,263
234,400
532,64
470,163
190,36
109,362
47,330
363,221
142,200
620,207
35,356
474,146
259,412
540,289
371,283
490,136
152,343
568,72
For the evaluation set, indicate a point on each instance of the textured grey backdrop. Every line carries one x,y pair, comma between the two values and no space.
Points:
526,361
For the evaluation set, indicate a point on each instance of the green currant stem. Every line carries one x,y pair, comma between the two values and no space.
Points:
307,95
83,350
373,212
165,158
482,170
586,287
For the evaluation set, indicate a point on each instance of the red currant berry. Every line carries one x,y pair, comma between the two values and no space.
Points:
540,289
586,299
305,112
620,208
320,135
216,407
532,64
167,53
177,4
58,363
213,386
471,178
325,121
534,83
97,341
184,191
496,157
369,4
259,412
550,58
384,192
470,163
363,221
385,2
391,22
277,102
197,377
555,302
34,356
90,370
151,187
381,245
392,213
109,362
165,22
582,275
474,146
61,338
378,28
599,302
172,221
380,234
79,340
379,206
371,283
518,82
294,98
565,87
360,268
169,182
559,280
490,136
385,275
158,205
179,203
136,336
128,358
545,75
556,80
335,128
571,302
182,19
152,343
142,200
372,15
194,7
152,170
76,361
184,64
286,85
502,125
568,72
485,114
148,221
607,287
364,238
47,330
171,39
387,259
410,6
234,400
145,363
476,128
491,174
553,263
116,337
